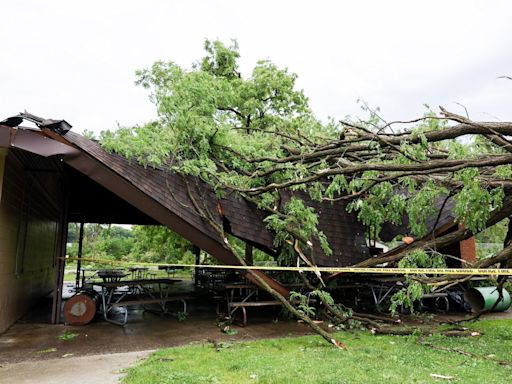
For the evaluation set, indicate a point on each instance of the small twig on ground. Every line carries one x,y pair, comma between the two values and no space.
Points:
465,353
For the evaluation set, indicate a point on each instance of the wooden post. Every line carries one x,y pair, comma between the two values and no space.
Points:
197,254
3,155
61,256
248,254
59,273
79,256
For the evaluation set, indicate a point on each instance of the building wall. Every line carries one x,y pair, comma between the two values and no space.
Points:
467,249
30,217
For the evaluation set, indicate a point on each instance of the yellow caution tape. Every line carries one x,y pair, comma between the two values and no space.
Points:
400,271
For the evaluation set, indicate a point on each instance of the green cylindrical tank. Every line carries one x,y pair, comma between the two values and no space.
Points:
483,299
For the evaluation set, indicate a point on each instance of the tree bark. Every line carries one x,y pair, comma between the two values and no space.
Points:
255,276
439,242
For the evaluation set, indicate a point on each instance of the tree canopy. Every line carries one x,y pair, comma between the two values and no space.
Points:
150,243
256,135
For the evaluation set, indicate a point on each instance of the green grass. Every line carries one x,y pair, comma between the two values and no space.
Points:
68,277
302,360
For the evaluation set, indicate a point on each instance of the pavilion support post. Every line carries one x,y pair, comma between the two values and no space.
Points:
61,257
248,254
57,291
79,256
59,274
197,254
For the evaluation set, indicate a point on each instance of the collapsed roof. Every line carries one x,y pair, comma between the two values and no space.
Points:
161,196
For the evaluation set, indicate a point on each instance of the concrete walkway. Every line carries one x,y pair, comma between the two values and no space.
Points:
92,369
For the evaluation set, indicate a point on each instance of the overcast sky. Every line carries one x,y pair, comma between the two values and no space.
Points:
76,60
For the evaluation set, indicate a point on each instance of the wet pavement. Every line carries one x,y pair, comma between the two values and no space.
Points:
40,341
33,338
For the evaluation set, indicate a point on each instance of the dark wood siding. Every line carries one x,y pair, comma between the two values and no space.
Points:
31,211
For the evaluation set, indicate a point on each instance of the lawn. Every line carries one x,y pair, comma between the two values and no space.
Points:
370,359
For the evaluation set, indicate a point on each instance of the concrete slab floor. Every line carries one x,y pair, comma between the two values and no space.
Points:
32,352
41,341
34,340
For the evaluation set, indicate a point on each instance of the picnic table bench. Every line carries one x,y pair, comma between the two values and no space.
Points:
233,306
243,295
161,301
240,296
125,293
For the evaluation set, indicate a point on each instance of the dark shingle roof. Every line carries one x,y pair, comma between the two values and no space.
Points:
344,233
161,196
442,218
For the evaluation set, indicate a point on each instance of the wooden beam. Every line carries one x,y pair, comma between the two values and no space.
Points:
248,254
79,256
197,253
61,261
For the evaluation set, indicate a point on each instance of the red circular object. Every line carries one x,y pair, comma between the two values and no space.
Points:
80,308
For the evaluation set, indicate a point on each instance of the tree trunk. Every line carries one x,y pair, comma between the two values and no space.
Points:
255,276
327,336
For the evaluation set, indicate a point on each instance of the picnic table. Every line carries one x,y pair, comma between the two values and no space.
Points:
111,275
243,295
213,279
89,275
141,272
170,269
124,293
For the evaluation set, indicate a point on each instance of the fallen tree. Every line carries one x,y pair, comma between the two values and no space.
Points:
257,137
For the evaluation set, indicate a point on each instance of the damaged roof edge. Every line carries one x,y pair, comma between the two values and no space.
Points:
125,190
36,142
39,144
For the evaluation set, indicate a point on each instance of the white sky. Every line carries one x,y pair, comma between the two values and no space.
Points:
76,60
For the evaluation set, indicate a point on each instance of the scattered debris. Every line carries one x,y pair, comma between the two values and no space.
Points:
67,336
165,359
43,351
229,331
507,363
436,376
220,345
425,331
314,321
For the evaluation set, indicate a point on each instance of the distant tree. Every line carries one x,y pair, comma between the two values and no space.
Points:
116,242
101,241
160,244
495,234
73,232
